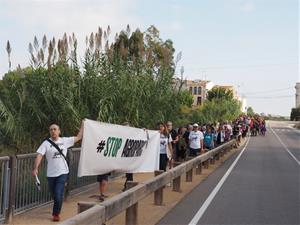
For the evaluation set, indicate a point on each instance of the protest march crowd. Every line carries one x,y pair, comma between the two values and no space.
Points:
176,144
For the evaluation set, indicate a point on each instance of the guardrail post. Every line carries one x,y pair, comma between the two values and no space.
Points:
212,160
132,211
206,164
217,156
189,175
159,193
177,180
12,185
199,169
225,151
83,206
221,154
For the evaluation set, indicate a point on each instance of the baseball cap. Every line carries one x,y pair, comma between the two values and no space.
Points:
195,125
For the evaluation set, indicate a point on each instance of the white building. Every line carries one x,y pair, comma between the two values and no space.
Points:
297,87
244,106
197,88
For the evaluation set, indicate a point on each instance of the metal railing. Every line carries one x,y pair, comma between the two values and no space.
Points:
18,190
4,185
75,182
26,194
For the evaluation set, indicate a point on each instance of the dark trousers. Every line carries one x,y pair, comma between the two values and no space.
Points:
57,187
129,177
163,161
194,151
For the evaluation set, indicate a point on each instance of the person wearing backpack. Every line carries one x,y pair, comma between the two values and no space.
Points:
174,135
55,149
208,139
181,145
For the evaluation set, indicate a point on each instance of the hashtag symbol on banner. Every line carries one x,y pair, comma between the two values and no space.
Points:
100,146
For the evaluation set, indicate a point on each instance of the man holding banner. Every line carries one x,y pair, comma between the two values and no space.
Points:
55,148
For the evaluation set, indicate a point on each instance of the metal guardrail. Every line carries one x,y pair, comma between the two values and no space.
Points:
18,191
26,194
74,181
128,200
4,185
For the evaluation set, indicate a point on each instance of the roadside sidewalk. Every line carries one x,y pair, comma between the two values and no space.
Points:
148,212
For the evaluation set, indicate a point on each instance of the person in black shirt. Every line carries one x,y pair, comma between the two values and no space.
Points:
186,137
174,136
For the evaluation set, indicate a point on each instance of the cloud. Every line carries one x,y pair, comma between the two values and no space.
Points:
248,7
81,17
27,18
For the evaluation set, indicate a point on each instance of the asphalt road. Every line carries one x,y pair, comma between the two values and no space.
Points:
262,185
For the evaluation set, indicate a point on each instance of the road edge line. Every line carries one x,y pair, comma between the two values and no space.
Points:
285,147
211,196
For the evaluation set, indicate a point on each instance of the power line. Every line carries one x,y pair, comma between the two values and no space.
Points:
271,97
241,66
268,91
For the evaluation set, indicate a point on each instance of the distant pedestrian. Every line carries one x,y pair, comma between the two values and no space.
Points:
181,145
208,139
103,185
220,135
174,136
195,141
186,137
227,134
166,150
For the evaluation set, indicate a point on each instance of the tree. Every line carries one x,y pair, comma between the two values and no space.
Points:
295,114
250,111
219,93
129,79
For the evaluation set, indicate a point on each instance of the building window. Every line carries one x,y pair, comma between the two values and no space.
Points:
191,90
199,90
199,101
195,90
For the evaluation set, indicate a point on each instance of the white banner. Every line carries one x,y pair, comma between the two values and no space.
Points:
108,147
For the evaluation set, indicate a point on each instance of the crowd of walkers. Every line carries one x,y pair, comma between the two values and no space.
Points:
175,145
195,139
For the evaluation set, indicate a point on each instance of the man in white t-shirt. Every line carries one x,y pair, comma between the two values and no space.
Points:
195,140
57,167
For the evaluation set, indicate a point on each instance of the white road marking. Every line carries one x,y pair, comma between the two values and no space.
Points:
209,199
294,129
285,147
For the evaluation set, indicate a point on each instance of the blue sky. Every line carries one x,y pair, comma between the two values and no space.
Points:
252,44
